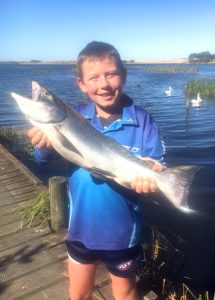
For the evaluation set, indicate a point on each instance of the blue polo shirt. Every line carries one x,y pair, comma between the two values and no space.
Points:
104,215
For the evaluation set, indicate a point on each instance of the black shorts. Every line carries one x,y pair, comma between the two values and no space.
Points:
123,263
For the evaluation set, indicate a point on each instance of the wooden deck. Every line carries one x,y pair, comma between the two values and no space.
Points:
32,261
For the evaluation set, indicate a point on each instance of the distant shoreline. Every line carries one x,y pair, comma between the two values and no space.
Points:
128,62
164,61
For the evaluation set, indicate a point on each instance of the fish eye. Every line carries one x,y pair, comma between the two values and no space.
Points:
46,93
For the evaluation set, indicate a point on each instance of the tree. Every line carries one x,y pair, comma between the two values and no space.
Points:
202,57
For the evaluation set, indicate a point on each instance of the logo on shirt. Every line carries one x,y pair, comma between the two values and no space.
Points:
131,149
125,265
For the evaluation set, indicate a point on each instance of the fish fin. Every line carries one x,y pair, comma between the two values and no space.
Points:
175,185
67,144
100,174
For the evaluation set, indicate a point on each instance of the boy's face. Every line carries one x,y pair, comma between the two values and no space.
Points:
102,81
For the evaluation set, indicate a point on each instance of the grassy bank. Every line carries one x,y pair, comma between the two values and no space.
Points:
206,88
16,141
186,69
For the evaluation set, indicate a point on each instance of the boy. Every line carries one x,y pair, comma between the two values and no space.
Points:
105,220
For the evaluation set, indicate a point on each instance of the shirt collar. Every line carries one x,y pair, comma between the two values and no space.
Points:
129,116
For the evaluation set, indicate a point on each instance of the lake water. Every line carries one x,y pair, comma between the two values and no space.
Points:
189,136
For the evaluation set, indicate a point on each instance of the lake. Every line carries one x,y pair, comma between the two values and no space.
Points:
188,133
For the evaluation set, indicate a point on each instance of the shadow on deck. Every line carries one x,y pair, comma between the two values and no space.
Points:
32,261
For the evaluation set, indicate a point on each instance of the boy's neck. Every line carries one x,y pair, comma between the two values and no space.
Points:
106,113
109,115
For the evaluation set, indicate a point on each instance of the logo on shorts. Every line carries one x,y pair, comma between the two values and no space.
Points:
125,265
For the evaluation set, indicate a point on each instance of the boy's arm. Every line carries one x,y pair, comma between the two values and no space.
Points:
153,153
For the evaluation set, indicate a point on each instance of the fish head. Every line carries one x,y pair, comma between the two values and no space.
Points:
44,107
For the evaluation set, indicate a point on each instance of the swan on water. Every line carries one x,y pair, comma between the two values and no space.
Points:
168,92
197,101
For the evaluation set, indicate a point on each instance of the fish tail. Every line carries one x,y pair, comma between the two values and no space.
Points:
175,185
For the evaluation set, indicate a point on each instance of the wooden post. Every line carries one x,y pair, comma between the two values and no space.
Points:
58,202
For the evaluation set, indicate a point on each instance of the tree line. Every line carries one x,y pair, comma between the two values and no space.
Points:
202,57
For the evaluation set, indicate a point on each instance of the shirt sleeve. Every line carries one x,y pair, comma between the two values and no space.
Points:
43,155
153,145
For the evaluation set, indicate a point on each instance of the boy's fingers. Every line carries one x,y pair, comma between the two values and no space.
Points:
153,186
143,185
36,138
32,132
157,167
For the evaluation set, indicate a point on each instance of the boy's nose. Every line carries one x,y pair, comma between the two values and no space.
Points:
104,82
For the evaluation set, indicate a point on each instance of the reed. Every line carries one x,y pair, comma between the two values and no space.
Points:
162,257
186,69
37,213
8,135
206,88
17,142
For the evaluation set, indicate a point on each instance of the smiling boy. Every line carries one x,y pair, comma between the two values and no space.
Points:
105,219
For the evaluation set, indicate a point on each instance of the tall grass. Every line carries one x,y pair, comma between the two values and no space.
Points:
186,69
8,135
37,213
206,88
16,142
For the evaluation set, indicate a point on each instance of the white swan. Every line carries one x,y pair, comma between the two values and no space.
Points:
169,91
196,102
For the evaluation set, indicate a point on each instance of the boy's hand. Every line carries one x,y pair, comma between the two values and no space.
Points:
145,184
38,138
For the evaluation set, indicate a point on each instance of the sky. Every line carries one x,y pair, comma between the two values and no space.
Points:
139,29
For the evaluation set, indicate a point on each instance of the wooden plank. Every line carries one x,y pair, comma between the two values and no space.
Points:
2,188
20,191
4,162
29,259
35,281
13,179
8,170
20,166
7,207
9,217
8,200
101,275
26,196
9,228
5,199
103,293
31,238
18,198
55,290
14,174
19,184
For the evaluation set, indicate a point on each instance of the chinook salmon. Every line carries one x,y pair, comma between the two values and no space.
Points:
74,138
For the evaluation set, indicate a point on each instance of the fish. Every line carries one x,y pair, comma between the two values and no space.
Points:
74,138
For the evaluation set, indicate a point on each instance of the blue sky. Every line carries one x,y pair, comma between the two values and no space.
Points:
139,29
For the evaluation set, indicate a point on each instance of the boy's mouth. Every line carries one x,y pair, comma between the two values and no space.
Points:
109,94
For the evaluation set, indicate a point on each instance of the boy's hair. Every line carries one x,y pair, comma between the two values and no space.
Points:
98,51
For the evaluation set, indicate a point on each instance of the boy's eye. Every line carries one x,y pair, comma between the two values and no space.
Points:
112,74
93,78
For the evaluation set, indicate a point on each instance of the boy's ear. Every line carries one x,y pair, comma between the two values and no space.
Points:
81,85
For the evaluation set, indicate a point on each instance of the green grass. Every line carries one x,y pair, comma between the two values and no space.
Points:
16,142
37,213
8,135
206,88
185,69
